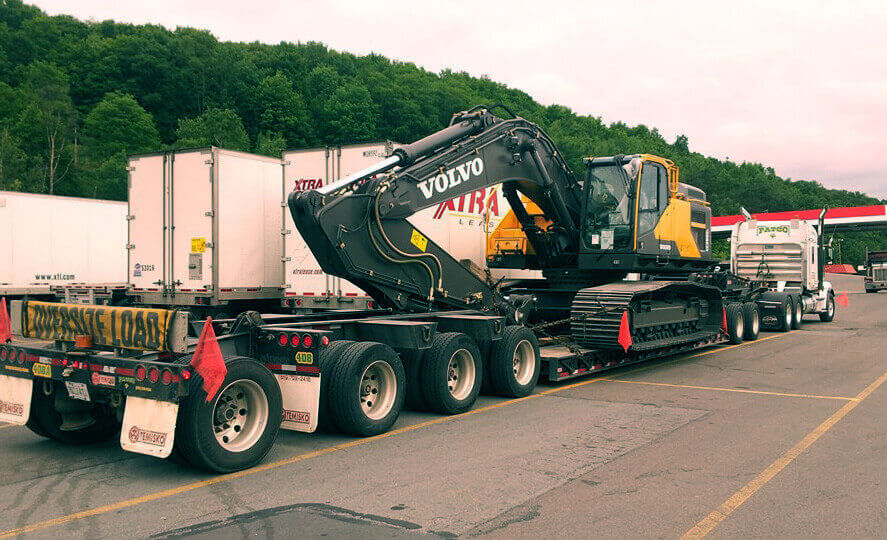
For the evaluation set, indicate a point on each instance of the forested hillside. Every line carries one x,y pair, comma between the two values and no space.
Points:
77,97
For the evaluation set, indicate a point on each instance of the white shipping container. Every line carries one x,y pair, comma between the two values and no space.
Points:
459,226
50,243
204,227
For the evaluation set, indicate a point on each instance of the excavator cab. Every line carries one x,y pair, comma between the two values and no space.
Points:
637,217
640,218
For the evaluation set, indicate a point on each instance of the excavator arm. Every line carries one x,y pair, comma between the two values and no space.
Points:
358,229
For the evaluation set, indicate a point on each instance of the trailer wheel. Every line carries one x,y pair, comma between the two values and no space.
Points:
514,362
798,313
786,308
829,314
98,423
367,387
735,323
412,365
751,317
452,371
326,361
237,428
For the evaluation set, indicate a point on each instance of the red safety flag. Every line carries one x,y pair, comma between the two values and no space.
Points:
724,321
843,300
624,332
5,326
208,361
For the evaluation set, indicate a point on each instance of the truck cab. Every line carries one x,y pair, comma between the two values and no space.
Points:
875,271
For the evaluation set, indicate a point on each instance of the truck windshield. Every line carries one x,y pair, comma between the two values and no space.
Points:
608,205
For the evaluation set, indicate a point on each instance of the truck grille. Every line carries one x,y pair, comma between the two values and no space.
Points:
770,262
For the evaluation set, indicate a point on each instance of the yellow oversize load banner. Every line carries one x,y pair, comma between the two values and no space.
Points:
142,329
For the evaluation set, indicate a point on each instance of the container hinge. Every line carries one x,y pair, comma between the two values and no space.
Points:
208,162
286,231
130,217
283,204
130,169
286,259
210,245
130,246
209,214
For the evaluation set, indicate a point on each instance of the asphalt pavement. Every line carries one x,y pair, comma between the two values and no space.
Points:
779,437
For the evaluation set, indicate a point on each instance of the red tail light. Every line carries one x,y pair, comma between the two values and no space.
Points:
294,340
325,340
141,373
186,375
166,376
3,353
283,340
307,341
154,374
21,357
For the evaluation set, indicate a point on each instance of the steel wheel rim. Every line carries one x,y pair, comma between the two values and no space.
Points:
788,316
831,307
240,415
740,326
377,390
523,362
755,322
799,312
460,374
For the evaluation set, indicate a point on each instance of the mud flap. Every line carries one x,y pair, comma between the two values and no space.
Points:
149,426
15,399
301,401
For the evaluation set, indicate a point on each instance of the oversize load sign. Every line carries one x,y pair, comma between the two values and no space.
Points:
130,328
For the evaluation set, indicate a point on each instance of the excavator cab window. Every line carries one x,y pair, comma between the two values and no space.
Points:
652,196
609,203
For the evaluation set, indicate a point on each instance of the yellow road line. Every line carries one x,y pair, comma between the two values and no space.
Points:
740,390
317,453
737,499
2,426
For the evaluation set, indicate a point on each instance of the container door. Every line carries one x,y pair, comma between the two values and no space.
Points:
147,228
302,274
192,246
7,233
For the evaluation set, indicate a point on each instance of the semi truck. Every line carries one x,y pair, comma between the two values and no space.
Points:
440,331
73,253
875,271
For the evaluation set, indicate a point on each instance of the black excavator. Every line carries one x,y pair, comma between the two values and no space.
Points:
629,214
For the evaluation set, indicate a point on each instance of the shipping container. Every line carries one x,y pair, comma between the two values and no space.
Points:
460,225
62,247
204,230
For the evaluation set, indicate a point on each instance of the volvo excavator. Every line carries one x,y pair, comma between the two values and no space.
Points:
627,214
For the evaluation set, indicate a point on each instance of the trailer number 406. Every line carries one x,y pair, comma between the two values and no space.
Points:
304,357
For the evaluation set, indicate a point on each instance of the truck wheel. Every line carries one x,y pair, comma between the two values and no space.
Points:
452,371
367,387
412,365
735,324
78,424
829,314
328,358
784,323
237,428
798,313
514,362
751,318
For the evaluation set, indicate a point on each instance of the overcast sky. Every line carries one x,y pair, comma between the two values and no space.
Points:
798,85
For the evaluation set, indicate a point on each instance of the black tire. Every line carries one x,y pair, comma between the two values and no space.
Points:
735,323
46,421
327,359
509,379
195,429
829,314
438,376
351,374
412,365
797,313
786,309
751,318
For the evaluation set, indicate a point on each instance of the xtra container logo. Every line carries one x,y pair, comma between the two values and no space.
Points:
154,438
306,184
471,203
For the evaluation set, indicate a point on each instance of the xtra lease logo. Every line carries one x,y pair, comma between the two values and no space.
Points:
304,184
154,438
100,379
54,277
451,177
13,409
298,417
477,202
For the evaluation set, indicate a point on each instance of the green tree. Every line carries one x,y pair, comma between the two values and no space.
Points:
46,125
13,163
350,115
271,144
215,127
284,111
